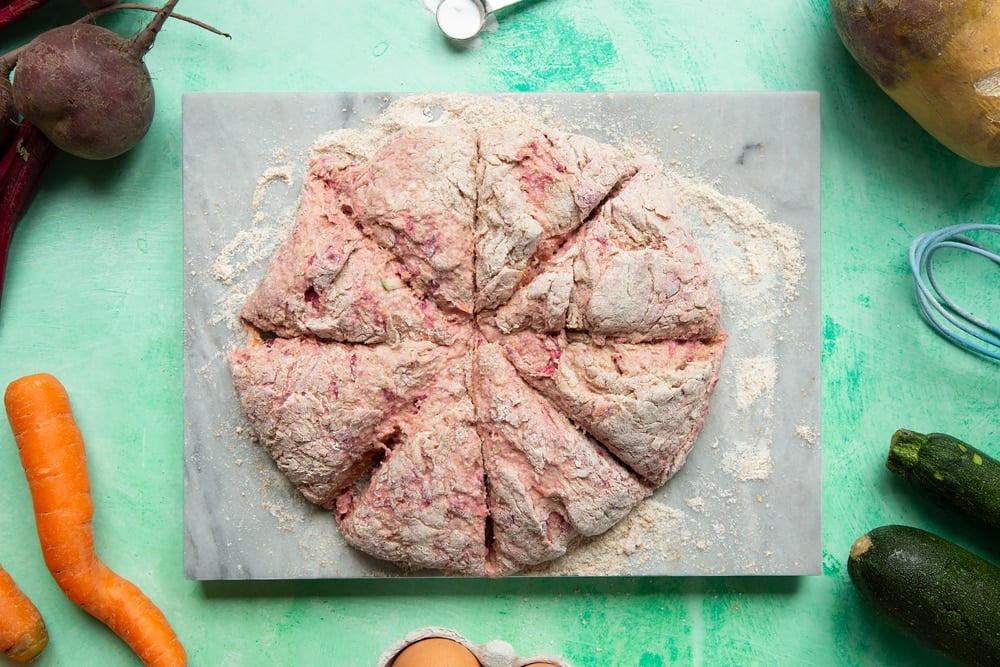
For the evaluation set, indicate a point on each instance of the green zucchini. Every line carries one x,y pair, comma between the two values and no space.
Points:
934,589
954,473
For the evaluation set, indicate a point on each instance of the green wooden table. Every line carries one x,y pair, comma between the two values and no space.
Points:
94,296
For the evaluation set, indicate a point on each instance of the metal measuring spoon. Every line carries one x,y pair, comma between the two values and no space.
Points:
463,19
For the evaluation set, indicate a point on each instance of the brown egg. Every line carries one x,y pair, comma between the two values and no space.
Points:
435,652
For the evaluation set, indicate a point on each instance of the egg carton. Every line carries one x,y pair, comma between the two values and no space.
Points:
494,653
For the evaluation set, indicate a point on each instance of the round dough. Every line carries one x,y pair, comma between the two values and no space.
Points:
480,343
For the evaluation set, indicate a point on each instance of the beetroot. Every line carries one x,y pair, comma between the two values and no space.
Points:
16,9
87,88
12,10
8,113
80,88
21,167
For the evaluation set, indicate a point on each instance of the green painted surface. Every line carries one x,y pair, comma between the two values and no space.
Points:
94,297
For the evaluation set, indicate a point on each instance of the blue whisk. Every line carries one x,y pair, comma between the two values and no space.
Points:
946,317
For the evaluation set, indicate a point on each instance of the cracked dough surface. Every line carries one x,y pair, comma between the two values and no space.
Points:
480,344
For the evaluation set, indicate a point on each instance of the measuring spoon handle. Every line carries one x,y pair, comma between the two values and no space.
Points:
493,5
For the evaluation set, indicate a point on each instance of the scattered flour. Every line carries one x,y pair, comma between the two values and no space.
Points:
758,262
748,460
757,377
653,532
808,433
250,246
697,503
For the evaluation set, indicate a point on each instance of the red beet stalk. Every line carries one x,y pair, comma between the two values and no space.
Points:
21,168
12,11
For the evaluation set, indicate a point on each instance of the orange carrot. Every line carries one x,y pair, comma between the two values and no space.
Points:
55,463
22,630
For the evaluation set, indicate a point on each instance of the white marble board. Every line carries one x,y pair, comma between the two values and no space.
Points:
748,500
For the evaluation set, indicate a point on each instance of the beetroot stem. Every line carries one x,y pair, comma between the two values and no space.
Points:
21,168
14,10
143,41
9,59
97,13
